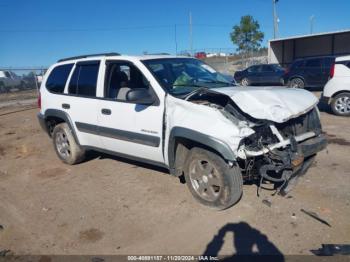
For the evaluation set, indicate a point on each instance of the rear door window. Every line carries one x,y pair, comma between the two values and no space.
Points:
84,79
58,78
267,68
253,69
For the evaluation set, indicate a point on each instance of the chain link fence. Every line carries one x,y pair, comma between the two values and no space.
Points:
226,60
19,79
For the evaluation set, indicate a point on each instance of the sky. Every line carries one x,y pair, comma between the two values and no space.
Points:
37,33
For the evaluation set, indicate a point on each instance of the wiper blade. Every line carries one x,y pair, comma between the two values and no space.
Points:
189,85
216,82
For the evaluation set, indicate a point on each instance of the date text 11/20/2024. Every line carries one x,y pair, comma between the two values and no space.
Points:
172,258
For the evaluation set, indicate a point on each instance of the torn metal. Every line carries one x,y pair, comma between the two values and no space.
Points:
273,132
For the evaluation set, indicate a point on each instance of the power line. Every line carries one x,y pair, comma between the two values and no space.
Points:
102,29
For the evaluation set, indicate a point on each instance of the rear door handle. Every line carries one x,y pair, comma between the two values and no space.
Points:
106,111
66,106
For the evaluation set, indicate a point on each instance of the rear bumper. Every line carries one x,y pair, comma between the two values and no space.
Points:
42,122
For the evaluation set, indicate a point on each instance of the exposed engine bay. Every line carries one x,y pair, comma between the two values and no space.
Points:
276,152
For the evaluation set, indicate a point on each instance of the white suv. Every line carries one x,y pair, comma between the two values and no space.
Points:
336,93
179,113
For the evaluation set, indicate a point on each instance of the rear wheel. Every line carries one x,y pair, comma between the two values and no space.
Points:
67,149
3,89
211,181
341,104
297,83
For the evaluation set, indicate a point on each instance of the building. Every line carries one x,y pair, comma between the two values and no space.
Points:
284,50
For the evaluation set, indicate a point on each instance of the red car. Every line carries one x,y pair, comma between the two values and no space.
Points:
200,55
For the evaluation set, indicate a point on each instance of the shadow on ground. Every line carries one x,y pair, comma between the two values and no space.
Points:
247,242
91,155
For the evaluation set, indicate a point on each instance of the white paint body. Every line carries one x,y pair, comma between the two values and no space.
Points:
269,103
341,79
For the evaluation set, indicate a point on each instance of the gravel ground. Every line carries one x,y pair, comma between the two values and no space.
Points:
108,205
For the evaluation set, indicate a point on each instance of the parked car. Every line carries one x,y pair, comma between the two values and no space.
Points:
336,93
309,72
200,55
9,80
264,74
179,113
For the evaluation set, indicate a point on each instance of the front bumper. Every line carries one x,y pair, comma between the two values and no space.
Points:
325,100
313,146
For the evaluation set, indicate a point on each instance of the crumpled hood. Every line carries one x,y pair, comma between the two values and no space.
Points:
277,104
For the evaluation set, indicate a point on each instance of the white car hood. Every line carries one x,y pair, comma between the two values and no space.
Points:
277,104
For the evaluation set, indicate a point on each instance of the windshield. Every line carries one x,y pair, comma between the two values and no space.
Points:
180,76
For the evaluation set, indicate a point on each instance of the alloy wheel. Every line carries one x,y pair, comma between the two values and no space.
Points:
62,144
342,105
205,179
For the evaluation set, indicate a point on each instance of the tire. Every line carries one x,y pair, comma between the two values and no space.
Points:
67,149
281,81
245,82
211,181
297,83
3,89
340,104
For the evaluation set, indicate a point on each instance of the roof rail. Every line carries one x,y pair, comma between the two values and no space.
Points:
158,54
85,56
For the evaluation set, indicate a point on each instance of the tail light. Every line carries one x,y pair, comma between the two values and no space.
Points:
39,100
331,73
286,71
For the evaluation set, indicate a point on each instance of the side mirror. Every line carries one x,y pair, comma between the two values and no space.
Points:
140,96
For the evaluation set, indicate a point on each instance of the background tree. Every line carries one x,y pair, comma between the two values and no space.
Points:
247,35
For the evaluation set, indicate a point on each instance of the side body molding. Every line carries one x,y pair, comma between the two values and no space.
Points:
63,115
179,132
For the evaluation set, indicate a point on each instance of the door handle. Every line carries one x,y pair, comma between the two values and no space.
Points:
106,111
66,106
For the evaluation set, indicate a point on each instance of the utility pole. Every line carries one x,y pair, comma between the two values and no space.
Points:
275,22
312,18
175,41
191,40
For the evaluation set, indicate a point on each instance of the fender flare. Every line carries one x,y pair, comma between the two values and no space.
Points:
65,117
179,132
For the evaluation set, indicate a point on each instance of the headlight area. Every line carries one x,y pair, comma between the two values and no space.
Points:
280,152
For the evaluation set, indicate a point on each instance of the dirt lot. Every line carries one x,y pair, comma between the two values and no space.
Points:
108,205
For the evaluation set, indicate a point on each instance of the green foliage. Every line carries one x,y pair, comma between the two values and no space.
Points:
247,35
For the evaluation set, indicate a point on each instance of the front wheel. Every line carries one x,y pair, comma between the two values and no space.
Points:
341,104
211,181
245,82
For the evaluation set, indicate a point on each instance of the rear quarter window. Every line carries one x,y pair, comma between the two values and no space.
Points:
313,63
346,63
58,77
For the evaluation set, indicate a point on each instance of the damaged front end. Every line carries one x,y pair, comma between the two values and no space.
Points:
282,152
276,151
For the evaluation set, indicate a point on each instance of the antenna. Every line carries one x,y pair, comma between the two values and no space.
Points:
275,19
191,40
312,19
